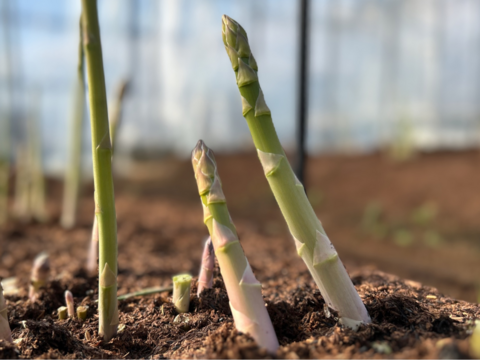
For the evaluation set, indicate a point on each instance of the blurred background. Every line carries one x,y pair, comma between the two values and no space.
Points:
392,116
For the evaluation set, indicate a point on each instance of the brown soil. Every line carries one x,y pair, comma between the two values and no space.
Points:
161,233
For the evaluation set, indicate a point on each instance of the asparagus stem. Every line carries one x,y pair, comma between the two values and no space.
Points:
205,278
102,169
37,180
70,303
181,292
4,175
62,313
22,184
40,275
144,292
93,253
117,111
81,313
475,341
310,238
244,291
73,172
5,332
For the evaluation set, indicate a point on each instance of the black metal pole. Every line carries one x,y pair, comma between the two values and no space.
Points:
302,90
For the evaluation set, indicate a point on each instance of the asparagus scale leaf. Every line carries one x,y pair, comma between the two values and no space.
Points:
310,238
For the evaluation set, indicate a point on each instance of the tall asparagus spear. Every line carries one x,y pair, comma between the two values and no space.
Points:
244,291
310,238
102,172
73,172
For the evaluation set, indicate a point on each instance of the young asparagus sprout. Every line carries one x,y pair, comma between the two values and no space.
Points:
82,313
40,275
310,238
5,332
62,312
244,291
93,252
205,278
102,173
181,292
70,303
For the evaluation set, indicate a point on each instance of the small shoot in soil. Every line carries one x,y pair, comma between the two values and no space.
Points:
310,238
102,172
40,275
70,303
181,292
62,313
5,332
244,290
205,278
82,313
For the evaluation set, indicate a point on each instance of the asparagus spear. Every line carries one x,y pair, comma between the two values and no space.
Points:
310,238
205,278
244,291
73,172
70,303
102,170
40,275
5,332
181,292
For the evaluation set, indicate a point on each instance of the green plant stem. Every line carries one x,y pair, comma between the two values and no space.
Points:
73,172
117,111
181,292
145,292
311,240
244,291
102,170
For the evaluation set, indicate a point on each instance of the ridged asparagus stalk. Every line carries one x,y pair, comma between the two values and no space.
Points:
73,171
102,170
244,290
310,238
5,332
205,278
181,292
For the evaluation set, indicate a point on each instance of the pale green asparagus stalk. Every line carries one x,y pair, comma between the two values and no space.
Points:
117,111
73,170
102,170
244,290
5,332
37,190
181,292
310,238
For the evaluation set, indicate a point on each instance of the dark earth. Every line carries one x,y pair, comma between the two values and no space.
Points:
161,233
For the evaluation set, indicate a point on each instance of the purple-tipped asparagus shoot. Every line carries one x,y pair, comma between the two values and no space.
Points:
205,279
70,303
40,275
5,333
